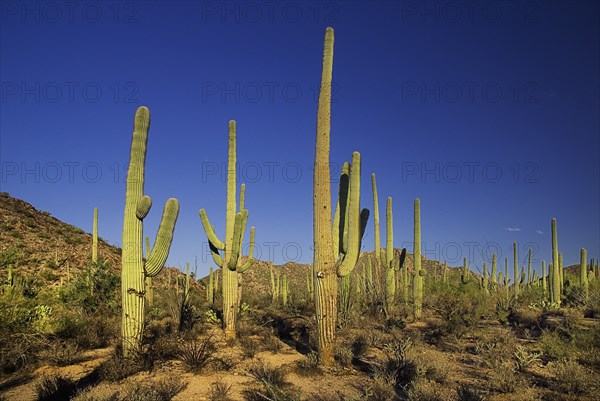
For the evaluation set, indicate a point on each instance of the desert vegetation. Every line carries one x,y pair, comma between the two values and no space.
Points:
354,325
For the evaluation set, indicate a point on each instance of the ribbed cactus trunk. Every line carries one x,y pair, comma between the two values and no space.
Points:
418,273
390,283
95,237
516,277
506,279
133,269
562,272
210,289
529,268
230,282
486,287
544,278
555,282
376,227
284,290
583,276
494,273
464,277
324,257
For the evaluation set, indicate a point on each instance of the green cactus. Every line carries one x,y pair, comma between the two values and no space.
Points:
134,269
583,276
515,270
377,237
274,284
235,226
464,277
309,285
390,283
555,292
494,274
486,287
369,286
329,262
544,285
445,273
149,289
506,279
210,287
562,272
418,272
284,290
529,268
95,237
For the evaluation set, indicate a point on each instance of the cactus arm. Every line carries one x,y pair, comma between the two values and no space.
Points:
344,206
143,207
353,221
237,236
242,196
555,283
389,229
210,232
164,237
95,237
250,261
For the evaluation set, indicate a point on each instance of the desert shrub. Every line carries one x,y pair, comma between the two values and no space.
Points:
436,367
219,391
271,343
95,289
506,379
380,390
60,353
343,355
572,378
263,373
97,393
163,390
119,367
524,358
249,347
196,354
423,390
54,387
554,346
19,351
401,368
466,393
459,309
360,346
309,365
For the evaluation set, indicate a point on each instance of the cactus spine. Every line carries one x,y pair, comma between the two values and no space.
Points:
133,267
583,277
235,226
327,266
95,237
555,279
418,273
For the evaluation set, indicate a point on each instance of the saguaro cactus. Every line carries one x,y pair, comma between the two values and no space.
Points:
464,277
133,267
515,270
210,288
544,285
235,226
377,238
486,286
529,269
418,273
494,273
390,283
583,277
555,282
336,246
95,237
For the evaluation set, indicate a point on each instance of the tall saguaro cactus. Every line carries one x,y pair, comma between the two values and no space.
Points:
418,272
494,273
555,277
336,246
377,237
515,270
133,267
583,277
95,237
235,226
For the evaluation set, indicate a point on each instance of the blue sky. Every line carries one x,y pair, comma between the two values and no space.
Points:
486,112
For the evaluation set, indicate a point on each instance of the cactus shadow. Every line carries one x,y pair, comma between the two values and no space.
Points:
293,331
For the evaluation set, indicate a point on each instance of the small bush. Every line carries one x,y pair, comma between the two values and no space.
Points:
572,378
61,353
219,391
273,377
54,387
158,391
343,355
249,347
98,393
506,379
524,359
196,354
118,368
423,390
309,365
466,393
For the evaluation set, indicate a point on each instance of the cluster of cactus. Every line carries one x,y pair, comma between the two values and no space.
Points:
235,226
134,269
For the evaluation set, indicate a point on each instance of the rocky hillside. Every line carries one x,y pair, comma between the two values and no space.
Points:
44,246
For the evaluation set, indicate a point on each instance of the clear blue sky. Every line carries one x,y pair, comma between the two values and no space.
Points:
489,113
